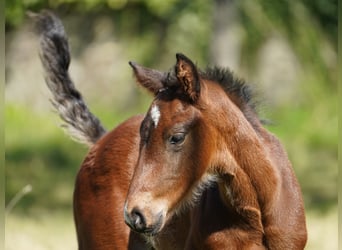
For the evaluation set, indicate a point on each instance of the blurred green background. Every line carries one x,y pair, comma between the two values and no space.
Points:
285,49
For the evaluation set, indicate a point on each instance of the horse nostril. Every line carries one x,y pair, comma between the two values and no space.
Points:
135,219
138,220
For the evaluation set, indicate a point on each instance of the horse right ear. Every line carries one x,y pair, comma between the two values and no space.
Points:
150,79
188,77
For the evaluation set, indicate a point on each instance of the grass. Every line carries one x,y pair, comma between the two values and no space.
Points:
322,230
309,134
38,154
55,231
47,231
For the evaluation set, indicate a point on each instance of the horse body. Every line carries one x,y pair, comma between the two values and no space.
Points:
100,190
198,171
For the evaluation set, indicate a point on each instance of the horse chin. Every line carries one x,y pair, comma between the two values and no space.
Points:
156,228
154,231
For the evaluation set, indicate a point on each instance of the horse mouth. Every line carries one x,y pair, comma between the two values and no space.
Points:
152,231
148,231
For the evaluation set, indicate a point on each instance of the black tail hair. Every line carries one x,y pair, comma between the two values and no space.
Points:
79,122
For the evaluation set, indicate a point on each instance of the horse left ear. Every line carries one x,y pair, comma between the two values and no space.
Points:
150,79
188,77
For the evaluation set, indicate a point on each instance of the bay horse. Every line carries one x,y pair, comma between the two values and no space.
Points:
197,171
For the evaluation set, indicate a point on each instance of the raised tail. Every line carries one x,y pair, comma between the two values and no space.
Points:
79,122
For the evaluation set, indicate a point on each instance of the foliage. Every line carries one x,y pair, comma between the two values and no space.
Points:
303,29
309,134
39,159
308,129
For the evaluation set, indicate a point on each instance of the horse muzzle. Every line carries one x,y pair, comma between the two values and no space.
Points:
143,221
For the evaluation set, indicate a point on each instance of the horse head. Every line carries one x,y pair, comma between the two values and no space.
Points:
176,147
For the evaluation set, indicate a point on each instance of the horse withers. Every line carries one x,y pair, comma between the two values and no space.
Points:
198,171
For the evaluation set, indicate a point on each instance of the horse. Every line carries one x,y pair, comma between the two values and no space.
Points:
197,171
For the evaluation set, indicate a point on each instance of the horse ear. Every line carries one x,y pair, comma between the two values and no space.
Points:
188,77
150,79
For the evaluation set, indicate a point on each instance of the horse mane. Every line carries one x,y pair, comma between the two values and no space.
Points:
237,90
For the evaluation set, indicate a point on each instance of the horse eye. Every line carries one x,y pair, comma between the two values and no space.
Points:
177,139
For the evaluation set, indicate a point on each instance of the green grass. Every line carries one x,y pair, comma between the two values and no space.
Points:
48,231
308,131
55,231
322,230
39,154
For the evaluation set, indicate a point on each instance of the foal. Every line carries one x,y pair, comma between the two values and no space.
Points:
200,128
198,171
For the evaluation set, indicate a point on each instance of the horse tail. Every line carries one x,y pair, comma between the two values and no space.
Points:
78,121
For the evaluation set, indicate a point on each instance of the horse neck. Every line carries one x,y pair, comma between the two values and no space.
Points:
241,146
